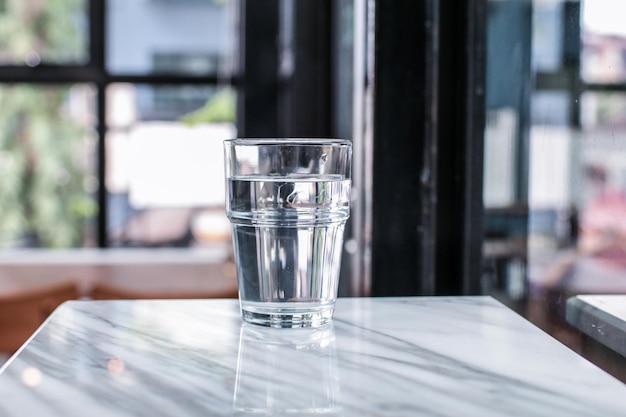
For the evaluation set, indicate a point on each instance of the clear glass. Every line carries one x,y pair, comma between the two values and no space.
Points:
44,32
165,167
171,37
288,202
47,171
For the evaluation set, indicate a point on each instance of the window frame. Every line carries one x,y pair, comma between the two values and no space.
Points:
429,116
94,72
440,154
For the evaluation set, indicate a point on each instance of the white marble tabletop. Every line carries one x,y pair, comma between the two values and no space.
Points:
601,317
440,356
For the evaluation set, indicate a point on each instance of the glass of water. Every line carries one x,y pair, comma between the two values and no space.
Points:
288,201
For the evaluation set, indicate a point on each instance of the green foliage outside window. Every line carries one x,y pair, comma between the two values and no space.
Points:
219,109
43,158
52,30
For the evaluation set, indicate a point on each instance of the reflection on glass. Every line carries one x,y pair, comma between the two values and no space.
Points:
47,178
170,36
603,58
505,187
165,174
603,112
596,204
43,32
555,219
286,372
547,35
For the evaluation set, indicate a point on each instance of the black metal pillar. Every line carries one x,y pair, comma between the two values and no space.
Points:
257,112
428,144
97,34
404,148
461,126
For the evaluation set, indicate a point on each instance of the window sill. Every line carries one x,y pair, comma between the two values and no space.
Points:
160,271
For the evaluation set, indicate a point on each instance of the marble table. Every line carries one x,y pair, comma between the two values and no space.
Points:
601,317
419,356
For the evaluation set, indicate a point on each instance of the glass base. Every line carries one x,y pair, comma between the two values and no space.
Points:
289,319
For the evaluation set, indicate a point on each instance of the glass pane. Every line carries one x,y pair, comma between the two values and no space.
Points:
48,182
170,36
48,32
504,182
547,35
604,111
603,58
601,195
555,163
165,173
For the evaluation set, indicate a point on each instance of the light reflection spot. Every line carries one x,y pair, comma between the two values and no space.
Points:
115,366
31,377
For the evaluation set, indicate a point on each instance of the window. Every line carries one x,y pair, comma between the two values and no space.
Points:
98,97
554,230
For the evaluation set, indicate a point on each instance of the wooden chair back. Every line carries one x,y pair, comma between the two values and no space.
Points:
103,291
22,313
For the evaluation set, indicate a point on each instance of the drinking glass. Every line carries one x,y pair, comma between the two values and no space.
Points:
288,201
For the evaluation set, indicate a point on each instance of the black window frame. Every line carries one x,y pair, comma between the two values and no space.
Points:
428,127
429,119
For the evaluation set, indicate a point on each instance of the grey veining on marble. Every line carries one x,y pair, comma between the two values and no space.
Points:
601,317
447,356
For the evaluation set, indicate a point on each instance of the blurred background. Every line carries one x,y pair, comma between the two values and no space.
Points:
490,150
554,178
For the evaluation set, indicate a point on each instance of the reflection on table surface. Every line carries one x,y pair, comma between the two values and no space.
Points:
415,356
268,366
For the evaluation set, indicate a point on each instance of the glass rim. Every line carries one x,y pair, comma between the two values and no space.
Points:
287,141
